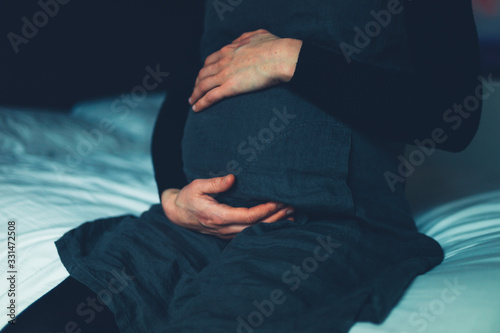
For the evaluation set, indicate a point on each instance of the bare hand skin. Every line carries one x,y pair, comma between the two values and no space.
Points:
255,60
194,208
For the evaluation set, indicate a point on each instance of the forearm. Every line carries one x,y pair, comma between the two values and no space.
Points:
166,145
394,104
168,132
184,64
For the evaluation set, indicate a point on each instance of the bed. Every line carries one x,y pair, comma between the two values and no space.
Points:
58,170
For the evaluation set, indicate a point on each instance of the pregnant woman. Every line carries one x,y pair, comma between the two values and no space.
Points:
310,231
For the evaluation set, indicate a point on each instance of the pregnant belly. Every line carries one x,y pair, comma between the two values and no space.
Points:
279,147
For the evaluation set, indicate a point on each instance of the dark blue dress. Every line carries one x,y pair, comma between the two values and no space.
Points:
349,255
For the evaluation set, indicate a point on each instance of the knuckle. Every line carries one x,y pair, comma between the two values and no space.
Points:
214,184
223,63
214,68
196,182
224,232
205,221
208,59
202,85
200,217
224,72
249,217
231,82
227,234
217,222
210,97
222,217
201,71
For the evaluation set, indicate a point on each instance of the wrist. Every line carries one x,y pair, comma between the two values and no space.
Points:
168,198
289,55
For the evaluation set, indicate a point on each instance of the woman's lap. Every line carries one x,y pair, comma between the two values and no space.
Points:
321,276
265,277
156,276
135,264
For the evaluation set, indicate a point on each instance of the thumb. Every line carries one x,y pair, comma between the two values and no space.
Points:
217,184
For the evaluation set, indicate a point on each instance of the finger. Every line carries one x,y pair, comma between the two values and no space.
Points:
243,42
249,39
243,36
213,185
254,38
207,71
246,40
204,88
231,230
213,58
228,215
216,56
225,232
227,237
213,96
282,214
249,34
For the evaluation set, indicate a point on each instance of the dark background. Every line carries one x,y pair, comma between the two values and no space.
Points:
90,48
93,48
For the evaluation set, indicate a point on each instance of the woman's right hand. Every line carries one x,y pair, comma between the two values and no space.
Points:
193,207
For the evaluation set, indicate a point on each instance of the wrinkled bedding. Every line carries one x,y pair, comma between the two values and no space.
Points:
60,170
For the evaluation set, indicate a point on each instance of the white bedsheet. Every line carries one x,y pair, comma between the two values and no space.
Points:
47,189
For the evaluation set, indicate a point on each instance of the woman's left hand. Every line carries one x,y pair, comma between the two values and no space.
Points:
254,61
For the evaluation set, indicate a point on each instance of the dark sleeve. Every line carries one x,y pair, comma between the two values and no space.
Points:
405,106
166,142
184,65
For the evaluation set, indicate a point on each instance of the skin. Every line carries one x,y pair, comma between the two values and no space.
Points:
254,61
193,207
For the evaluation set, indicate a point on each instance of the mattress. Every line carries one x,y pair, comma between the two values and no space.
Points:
58,170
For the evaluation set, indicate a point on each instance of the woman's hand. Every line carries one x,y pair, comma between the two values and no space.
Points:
194,208
254,61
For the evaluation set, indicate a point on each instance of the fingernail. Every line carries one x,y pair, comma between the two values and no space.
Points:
194,107
226,179
289,212
281,205
190,100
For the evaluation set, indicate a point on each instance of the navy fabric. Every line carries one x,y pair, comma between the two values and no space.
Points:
325,23
278,146
350,253
307,276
